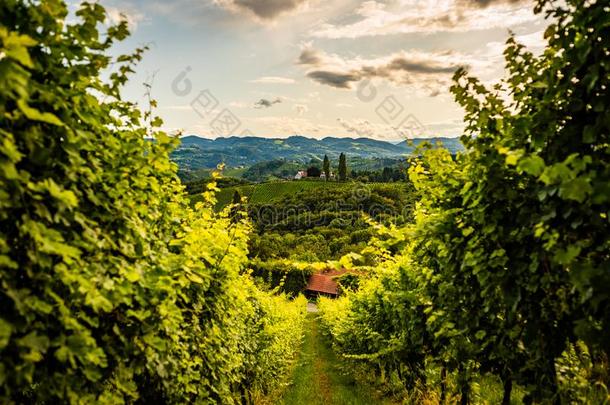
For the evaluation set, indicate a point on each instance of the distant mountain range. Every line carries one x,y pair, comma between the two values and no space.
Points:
199,153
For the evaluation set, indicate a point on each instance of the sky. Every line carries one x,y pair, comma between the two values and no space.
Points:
317,68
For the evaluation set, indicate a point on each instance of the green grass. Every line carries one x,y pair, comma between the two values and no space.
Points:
491,391
234,172
199,174
319,377
268,192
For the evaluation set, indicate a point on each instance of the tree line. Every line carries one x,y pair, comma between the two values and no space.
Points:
315,171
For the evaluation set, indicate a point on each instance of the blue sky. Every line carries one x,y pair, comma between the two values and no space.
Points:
276,68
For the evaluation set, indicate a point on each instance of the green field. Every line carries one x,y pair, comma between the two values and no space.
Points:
234,172
207,173
267,192
271,191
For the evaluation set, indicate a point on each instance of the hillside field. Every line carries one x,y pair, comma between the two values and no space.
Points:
266,192
272,191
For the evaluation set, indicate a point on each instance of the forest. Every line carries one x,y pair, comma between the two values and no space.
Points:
478,276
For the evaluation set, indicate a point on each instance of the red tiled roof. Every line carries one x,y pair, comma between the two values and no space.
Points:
322,283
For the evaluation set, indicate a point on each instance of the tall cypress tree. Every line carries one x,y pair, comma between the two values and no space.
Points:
236,197
326,167
235,209
342,167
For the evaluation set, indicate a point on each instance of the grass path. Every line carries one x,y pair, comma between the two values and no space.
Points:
318,378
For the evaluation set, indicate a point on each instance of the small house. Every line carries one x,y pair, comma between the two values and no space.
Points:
301,174
324,283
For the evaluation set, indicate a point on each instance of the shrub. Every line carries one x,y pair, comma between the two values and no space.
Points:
284,275
112,288
508,256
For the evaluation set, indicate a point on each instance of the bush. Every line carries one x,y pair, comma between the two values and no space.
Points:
284,275
505,271
112,288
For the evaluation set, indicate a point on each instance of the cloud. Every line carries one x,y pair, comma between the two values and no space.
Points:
335,79
263,10
493,54
273,80
534,41
452,127
314,95
132,16
239,104
401,63
486,3
427,71
266,103
362,128
287,126
309,56
177,107
301,109
375,18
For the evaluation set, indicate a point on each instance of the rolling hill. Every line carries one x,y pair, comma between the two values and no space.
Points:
198,153
268,192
